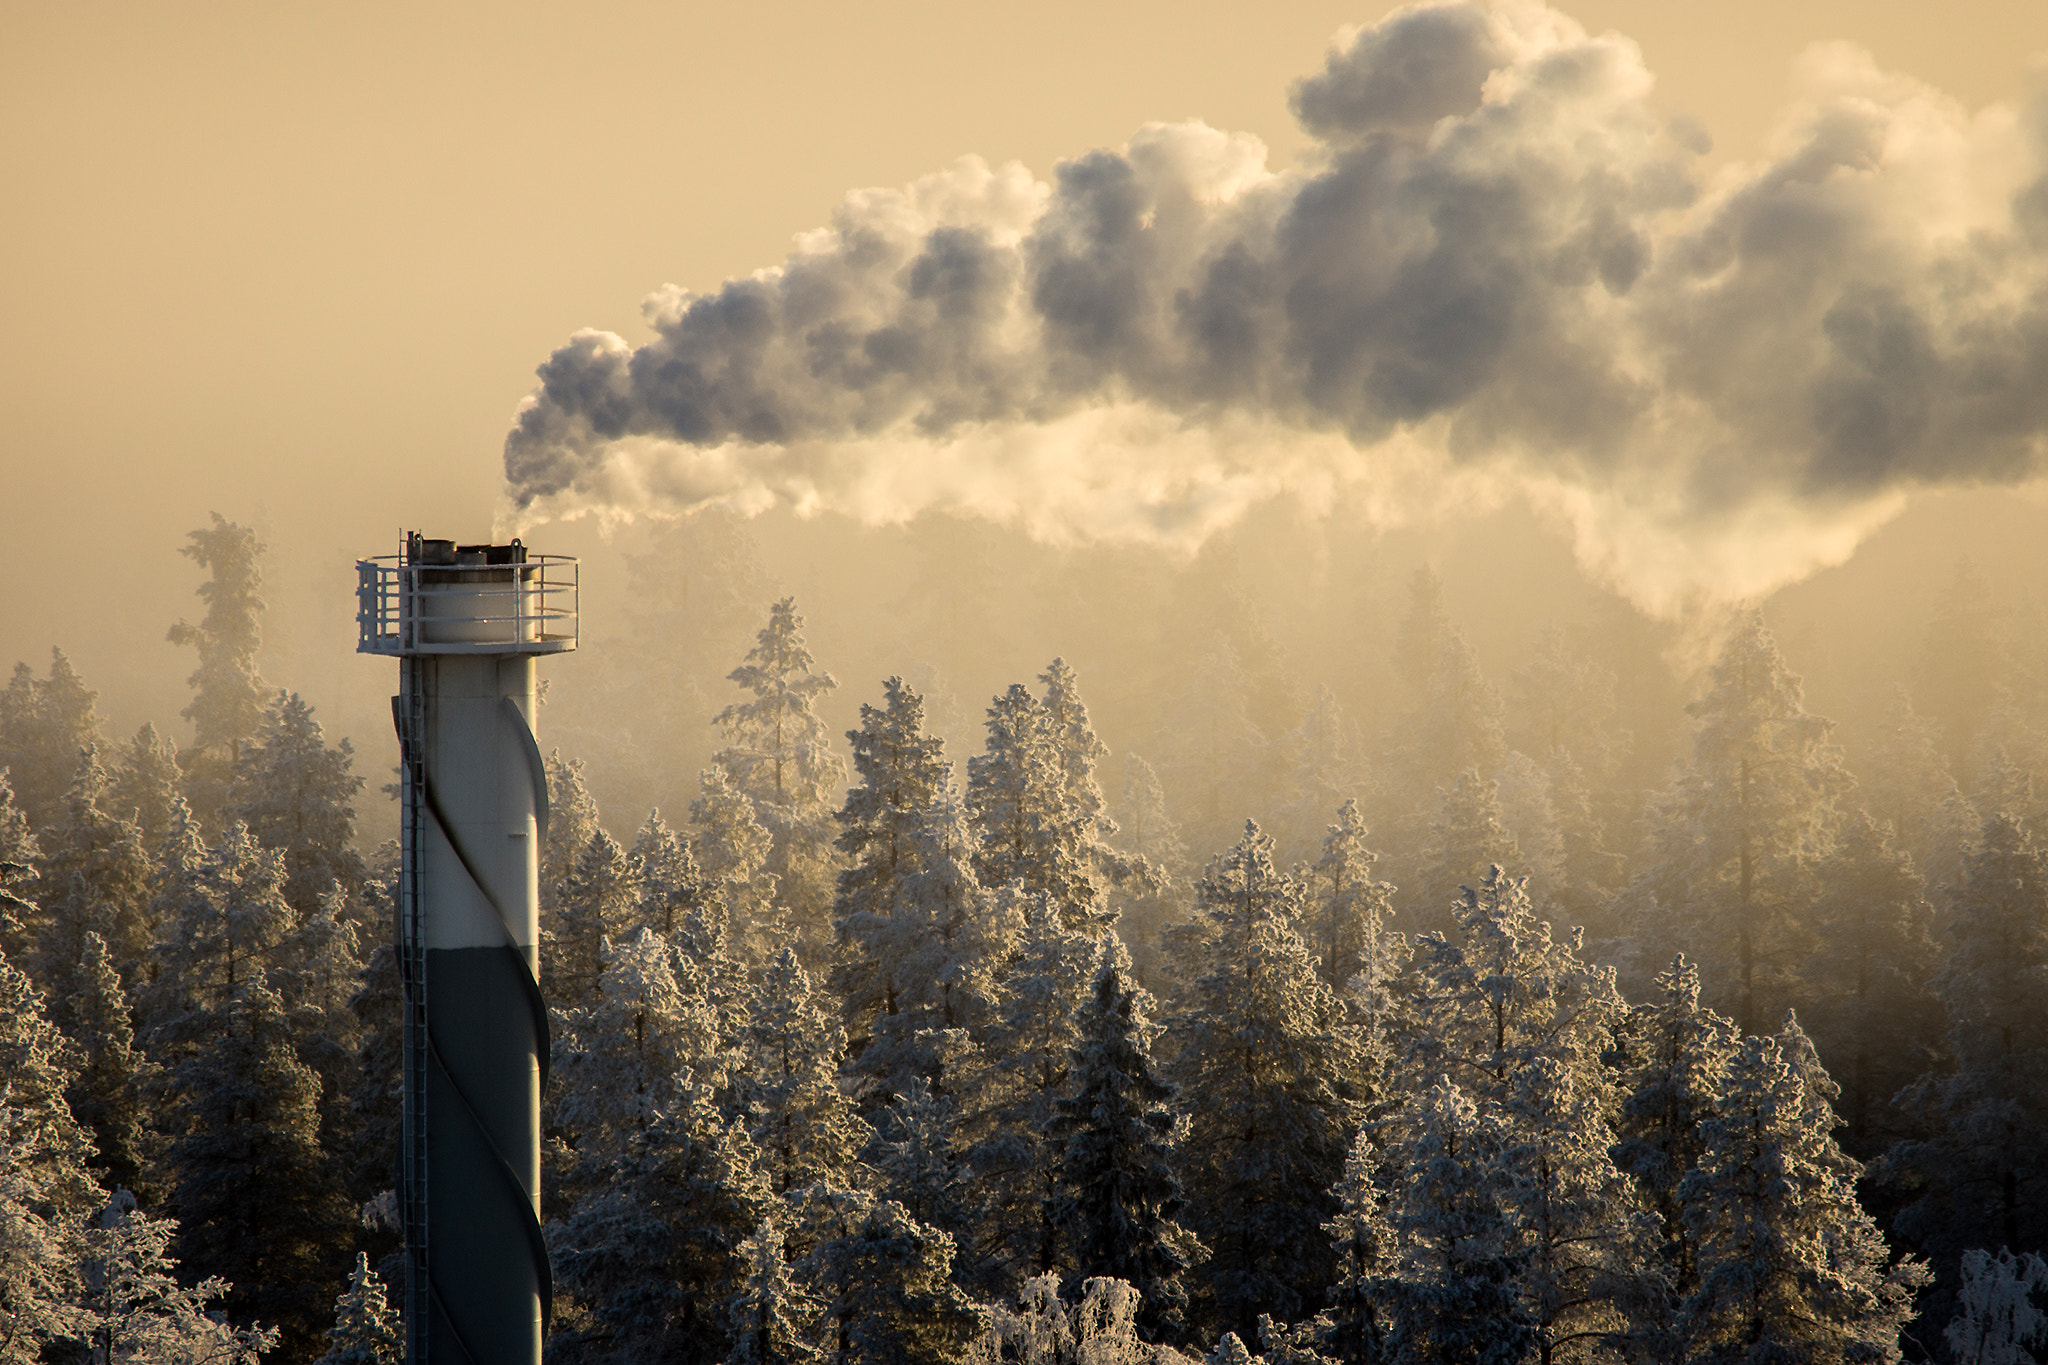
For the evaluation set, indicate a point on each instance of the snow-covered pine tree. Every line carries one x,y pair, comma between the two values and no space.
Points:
920,969
900,771
1263,1060
734,851
1997,1317
885,1284
366,1329
1982,1173
227,695
137,1309
1730,863
653,1249
297,795
45,1190
1356,1326
1453,1296
1875,1020
19,854
671,884
1119,1199
1026,1051
1080,752
146,785
1026,827
1791,1269
771,1318
649,1035
257,1199
780,755
1673,1058
803,1124
919,1162
44,723
1347,921
598,901
572,821
223,920
107,1094
95,878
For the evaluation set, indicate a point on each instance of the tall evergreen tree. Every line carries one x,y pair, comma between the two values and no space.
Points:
95,879
1874,1018
772,1317
366,1331
671,884
138,1311
885,1282
228,697
108,1093
1147,831
1730,867
297,796
1466,837
1263,1060
1119,1195
19,855
572,822
780,755
598,901
1346,924
1790,1267
44,722
900,771
257,1199
146,786
803,1124
1356,1328
1673,1059
734,852
1981,1175
225,921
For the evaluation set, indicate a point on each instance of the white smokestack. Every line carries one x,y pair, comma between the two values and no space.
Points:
1501,275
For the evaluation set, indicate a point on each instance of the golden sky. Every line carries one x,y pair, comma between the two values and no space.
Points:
297,263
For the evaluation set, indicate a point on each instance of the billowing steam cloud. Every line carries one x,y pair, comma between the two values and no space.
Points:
1503,273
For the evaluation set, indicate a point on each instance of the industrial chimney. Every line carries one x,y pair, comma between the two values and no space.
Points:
466,623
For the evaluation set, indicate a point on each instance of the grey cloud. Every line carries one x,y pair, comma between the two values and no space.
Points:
1416,66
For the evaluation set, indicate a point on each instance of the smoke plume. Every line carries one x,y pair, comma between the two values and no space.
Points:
1502,273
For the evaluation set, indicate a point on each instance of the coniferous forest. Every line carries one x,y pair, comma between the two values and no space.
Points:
1566,1016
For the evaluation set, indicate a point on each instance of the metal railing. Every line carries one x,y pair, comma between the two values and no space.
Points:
522,608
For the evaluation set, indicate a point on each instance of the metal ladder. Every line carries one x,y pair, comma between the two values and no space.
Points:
409,713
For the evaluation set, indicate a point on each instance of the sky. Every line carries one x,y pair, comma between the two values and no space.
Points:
298,264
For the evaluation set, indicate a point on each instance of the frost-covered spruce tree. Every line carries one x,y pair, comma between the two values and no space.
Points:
1981,1175
107,1093
653,1250
1119,1200
297,795
1356,1326
1454,1298
572,821
884,1281
772,1317
733,853
648,1036
1025,827
919,968
1997,1316
671,884
1673,1060
366,1330
1025,1053
1263,1057
19,854
147,783
1874,1018
136,1308
223,921
1347,921
597,903
803,1124
44,723
257,1199
1730,865
96,878
227,695
780,755
1791,1269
